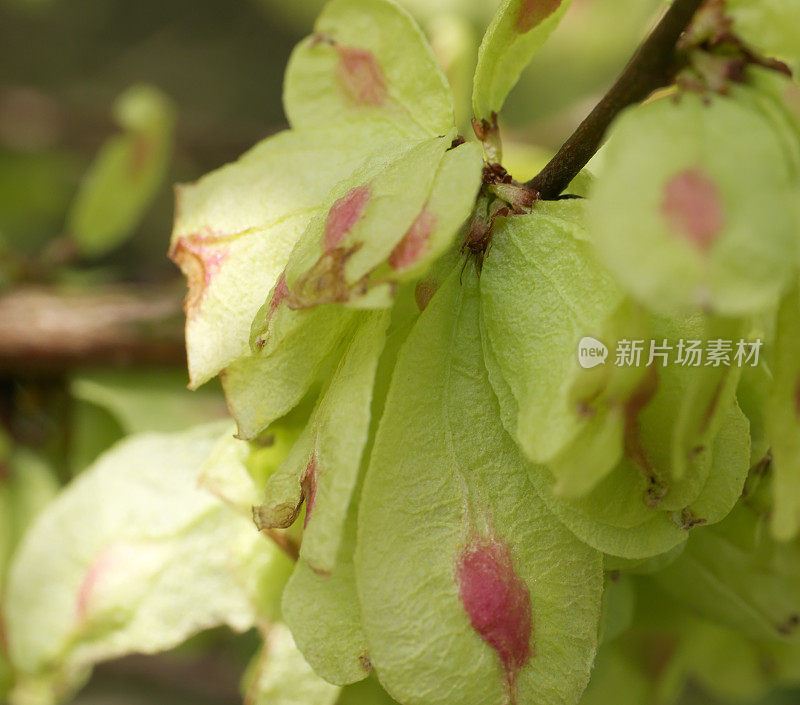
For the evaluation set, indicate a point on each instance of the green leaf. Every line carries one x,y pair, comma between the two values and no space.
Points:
235,228
322,467
126,174
368,59
100,573
685,243
281,675
783,419
517,31
447,521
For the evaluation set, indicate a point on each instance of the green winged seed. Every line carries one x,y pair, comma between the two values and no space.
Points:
542,291
618,518
268,384
324,615
365,219
127,173
686,241
783,419
100,572
322,468
517,31
236,227
470,591
368,59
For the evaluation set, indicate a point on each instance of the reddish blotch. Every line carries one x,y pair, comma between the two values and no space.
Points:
533,12
413,244
423,293
309,485
361,76
692,207
498,603
344,214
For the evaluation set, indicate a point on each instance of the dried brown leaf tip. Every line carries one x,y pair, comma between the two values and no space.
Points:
532,12
200,257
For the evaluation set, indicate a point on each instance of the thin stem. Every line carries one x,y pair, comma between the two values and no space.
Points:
652,67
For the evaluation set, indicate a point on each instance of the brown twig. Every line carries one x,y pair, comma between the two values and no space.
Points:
44,330
652,67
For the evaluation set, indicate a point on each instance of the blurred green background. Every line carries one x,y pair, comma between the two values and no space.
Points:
104,104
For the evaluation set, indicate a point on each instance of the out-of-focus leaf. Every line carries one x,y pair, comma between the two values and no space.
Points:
619,601
132,556
517,31
281,676
27,485
737,575
35,189
772,26
685,242
148,400
126,174
616,680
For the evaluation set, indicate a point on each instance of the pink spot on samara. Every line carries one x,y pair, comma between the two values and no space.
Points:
105,562
533,12
309,485
344,214
693,208
279,293
411,247
361,76
498,603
